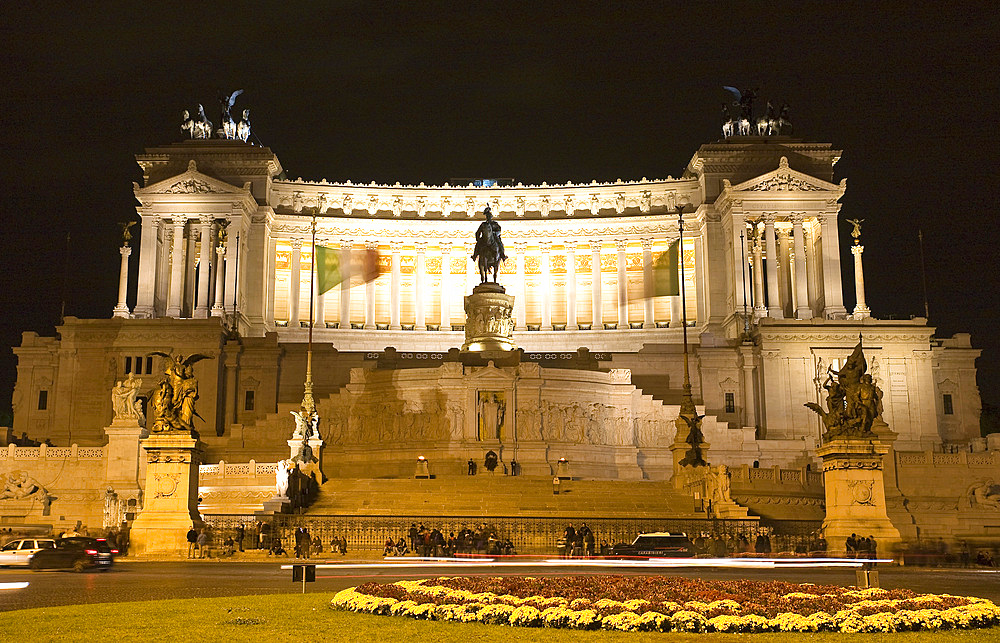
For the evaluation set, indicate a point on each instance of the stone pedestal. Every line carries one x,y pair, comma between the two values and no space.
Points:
855,493
423,471
125,466
170,506
489,325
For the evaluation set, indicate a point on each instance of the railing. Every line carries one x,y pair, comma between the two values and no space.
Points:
960,458
529,534
776,475
14,452
237,470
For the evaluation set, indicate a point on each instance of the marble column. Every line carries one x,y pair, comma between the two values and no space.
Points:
396,247
833,290
176,269
320,319
218,308
121,310
420,322
647,284
676,315
861,310
802,309
545,247
771,248
759,310
595,285
571,323
204,269
370,294
147,268
787,297
295,284
519,302
344,321
471,269
699,275
622,245
445,285
232,265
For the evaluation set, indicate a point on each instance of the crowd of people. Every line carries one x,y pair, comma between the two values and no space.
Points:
425,542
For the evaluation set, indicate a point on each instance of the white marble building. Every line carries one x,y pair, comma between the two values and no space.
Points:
761,220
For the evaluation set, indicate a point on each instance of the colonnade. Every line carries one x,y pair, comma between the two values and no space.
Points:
172,252
452,285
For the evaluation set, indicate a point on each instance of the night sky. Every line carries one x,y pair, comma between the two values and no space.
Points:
596,91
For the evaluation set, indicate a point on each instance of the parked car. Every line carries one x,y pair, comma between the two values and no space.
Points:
656,545
77,553
19,552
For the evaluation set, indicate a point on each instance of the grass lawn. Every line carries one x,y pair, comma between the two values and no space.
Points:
286,617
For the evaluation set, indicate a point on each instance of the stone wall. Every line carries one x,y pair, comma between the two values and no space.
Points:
938,493
74,477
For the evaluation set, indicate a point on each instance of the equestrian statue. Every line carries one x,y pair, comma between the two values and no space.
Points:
489,247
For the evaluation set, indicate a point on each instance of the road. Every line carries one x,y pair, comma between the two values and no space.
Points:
138,581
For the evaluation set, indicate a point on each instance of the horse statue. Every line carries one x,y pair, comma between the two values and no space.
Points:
489,247
727,122
202,127
744,127
187,123
243,129
784,120
767,124
228,124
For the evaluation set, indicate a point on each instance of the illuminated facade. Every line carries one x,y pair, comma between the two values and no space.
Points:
761,235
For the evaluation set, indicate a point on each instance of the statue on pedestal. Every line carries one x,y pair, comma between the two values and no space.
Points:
489,247
123,399
228,124
853,401
171,407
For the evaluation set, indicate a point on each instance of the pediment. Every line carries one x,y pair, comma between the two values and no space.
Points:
190,182
785,179
491,373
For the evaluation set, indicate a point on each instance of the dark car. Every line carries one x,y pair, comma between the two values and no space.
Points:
656,545
76,553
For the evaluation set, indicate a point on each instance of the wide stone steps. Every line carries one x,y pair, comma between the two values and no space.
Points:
485,495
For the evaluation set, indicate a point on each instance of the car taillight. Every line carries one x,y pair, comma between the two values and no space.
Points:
114,551
92,552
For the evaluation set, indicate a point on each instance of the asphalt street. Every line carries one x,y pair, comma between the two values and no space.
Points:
139,581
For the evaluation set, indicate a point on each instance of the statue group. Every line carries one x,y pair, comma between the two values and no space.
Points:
201,127
124,403
171,407
738,118
853,400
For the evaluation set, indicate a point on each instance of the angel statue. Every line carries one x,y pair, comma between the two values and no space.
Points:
126,227
228,124
694,456
856,232
171,406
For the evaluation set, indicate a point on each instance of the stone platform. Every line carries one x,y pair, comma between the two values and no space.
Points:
497,495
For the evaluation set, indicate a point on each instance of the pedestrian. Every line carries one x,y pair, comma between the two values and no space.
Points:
413,533
202,543
472,467
240,533
192,538
965,555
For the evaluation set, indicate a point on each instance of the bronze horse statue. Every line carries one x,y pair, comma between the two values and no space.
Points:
489,247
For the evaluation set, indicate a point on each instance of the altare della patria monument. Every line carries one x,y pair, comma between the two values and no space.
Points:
645,355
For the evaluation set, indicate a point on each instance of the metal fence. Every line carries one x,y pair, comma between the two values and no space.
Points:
528,534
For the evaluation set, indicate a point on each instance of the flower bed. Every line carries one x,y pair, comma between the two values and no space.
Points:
657,603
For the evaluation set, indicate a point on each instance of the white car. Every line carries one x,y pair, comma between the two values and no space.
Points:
19,552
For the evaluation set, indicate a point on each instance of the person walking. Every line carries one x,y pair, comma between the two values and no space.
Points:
202,543
192,539
240,533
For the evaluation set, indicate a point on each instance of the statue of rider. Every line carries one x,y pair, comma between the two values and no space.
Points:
489,230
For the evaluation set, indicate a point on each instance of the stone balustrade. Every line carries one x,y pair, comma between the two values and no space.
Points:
747,475
237,471
43,452
961,458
